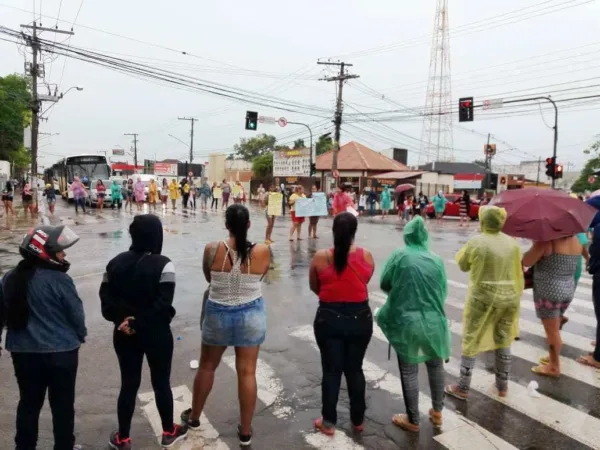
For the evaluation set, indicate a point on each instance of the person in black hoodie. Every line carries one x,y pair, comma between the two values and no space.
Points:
137,296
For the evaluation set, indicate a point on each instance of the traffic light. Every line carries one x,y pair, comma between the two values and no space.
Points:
559,171
465,109
313,169
551,167
251,120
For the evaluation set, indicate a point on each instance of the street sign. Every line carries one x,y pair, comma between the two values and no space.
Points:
493,104
336,174
267,119
282,122
118,152
592,179
190,174
489,149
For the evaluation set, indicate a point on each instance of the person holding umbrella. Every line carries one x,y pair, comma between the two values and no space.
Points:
551,219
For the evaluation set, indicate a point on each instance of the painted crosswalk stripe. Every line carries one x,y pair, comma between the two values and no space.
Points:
206,438
537,329
270,393
456,429
566,420
577,302
563,418
589,320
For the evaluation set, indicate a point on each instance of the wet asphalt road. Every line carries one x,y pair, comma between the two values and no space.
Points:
567,416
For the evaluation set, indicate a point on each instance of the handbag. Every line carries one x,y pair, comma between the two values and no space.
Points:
211,259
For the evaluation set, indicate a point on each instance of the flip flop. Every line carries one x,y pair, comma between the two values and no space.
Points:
401,420
588,361
544,360
540,370
449,391
319,425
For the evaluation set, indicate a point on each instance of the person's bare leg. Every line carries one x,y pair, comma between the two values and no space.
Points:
299,231
210,357
292,229
552,328
245,364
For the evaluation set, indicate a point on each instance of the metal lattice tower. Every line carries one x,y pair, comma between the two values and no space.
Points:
436,136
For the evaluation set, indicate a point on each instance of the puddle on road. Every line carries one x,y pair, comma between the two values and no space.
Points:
112,234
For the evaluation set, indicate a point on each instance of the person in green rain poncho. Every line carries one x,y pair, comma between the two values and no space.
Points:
414,322
439,205
386,201
115,194
491,314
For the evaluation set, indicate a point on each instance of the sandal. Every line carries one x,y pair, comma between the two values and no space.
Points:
588,360
453,391
435,417
544,360
319,425
358,428
401,420
542,370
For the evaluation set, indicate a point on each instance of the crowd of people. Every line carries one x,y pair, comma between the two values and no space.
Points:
44,316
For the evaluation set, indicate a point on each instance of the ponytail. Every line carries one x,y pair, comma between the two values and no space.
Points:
344,230
237,219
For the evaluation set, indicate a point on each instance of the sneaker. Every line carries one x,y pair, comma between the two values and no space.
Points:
191,424
119,444
170,438
245,439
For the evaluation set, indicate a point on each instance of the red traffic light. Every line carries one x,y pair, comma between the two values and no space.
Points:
549,160
466,103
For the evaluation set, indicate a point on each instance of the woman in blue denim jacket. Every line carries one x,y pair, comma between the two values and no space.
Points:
45,323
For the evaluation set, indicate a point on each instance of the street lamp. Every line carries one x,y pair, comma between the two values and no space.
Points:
79,88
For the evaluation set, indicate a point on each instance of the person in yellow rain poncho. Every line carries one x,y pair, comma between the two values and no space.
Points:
414,322
491,315
173,192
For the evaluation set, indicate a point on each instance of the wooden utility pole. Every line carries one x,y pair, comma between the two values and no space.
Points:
339,106
135,141
192,120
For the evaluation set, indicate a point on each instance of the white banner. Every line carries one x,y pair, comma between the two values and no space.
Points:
291,163
165,169
467,184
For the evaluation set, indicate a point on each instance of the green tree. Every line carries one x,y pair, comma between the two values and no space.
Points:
299,143
15,116
262,166
582,184
324,144
248,149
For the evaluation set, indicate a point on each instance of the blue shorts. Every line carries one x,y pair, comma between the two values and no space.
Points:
234,326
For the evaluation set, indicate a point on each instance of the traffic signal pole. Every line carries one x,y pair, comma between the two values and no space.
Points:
311,142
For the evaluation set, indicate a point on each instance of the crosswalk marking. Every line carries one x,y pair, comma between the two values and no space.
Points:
588,320
206,438
576,302
384,380
561,417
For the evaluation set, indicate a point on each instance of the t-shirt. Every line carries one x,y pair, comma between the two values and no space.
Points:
362,201
293,199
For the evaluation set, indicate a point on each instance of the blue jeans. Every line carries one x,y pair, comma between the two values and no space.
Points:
372,209
80,202
234,326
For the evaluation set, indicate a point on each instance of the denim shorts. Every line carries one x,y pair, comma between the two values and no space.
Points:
234,326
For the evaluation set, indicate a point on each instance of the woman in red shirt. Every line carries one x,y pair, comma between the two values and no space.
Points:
344,322
341,201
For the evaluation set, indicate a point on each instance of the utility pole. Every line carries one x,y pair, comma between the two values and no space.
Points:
35,72
135,141
339,106
537,182
192,120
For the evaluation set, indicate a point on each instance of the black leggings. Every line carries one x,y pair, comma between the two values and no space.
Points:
343,332
215,203
157,345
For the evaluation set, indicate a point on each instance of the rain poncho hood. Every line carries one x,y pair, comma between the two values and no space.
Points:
493,260
413,317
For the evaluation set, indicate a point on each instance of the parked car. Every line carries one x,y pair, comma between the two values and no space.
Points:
92,198
453,207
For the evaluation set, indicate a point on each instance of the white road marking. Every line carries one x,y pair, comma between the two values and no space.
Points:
537,329
583,319
584,292
566,420
206,438
460,427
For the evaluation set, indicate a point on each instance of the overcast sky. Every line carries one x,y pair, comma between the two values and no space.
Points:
389,42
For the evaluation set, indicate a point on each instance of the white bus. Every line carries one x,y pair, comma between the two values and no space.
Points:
87,167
